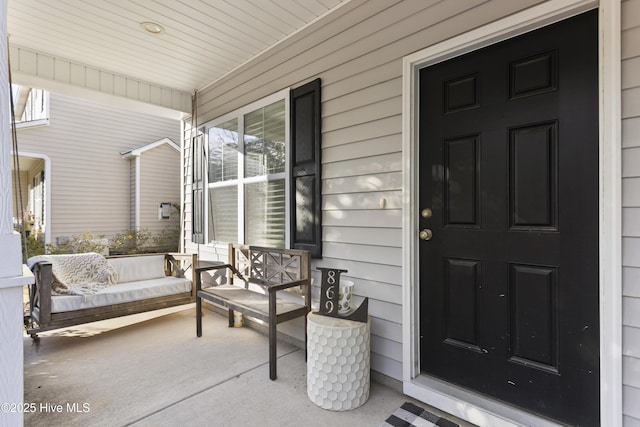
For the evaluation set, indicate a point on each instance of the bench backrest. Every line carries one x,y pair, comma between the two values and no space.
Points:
135,268
259,265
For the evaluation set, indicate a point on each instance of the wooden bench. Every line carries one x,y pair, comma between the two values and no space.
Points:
256,277
138,276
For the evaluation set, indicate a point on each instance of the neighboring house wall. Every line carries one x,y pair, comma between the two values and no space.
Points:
89,178
631,210
358,56
25,181
159,183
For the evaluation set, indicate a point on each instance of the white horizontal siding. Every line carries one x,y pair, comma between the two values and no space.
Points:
379,91
358,55
381,345
363,166
631,211
387,180
353,150
364,132
383,255
374,236
631,341
630,399
364,114
631,312
371,200
363,218
631,367
631,131
90,181
386,365
631,422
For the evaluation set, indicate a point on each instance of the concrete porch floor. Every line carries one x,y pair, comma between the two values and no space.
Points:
151,370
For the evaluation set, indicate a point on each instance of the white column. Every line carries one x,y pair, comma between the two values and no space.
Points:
12,277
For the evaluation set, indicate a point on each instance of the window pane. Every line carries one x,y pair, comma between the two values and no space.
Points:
264,139
36,105
265,213
223,151
223,214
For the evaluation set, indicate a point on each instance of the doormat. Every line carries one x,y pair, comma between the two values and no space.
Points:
409,415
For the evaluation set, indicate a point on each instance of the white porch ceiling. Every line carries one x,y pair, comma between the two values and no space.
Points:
202,41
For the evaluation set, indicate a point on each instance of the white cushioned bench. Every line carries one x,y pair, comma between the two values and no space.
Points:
143,283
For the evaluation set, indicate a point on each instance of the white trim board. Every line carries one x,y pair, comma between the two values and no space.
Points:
140,150
476,408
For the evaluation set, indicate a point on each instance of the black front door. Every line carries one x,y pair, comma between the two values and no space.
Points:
509,191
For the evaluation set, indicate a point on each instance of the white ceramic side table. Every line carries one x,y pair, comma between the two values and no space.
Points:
338,362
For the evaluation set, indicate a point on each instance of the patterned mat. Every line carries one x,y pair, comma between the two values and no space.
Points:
409,415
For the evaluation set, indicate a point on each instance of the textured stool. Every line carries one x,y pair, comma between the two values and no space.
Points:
337,362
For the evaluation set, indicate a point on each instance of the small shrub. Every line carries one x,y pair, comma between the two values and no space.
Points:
130,241
80,243
34,247
168,239
126,242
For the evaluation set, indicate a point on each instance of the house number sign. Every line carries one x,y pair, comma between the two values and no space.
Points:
330,297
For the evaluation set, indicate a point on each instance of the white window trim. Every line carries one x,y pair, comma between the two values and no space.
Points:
239,114
33,124
473,407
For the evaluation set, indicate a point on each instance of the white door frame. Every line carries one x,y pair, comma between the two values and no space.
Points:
474,407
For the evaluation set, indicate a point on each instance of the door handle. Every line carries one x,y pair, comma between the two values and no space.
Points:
426,234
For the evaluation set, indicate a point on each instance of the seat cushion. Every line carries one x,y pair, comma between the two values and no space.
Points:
121,293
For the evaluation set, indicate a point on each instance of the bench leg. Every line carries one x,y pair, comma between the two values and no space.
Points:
230,318
305,339
272,337
198,316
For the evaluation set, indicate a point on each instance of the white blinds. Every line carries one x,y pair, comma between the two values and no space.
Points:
265,213
223,151
264,140
223,214
246,165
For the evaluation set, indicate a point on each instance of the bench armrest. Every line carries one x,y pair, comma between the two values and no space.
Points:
179,263
200,270
40,292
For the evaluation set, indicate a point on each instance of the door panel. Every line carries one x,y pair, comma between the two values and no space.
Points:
533,176
461,283
533,291
509,168
462,179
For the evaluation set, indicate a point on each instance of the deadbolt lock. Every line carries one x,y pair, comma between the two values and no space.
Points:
426,234
426,213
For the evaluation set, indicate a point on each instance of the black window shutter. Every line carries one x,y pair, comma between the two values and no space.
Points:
305,178
197,189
